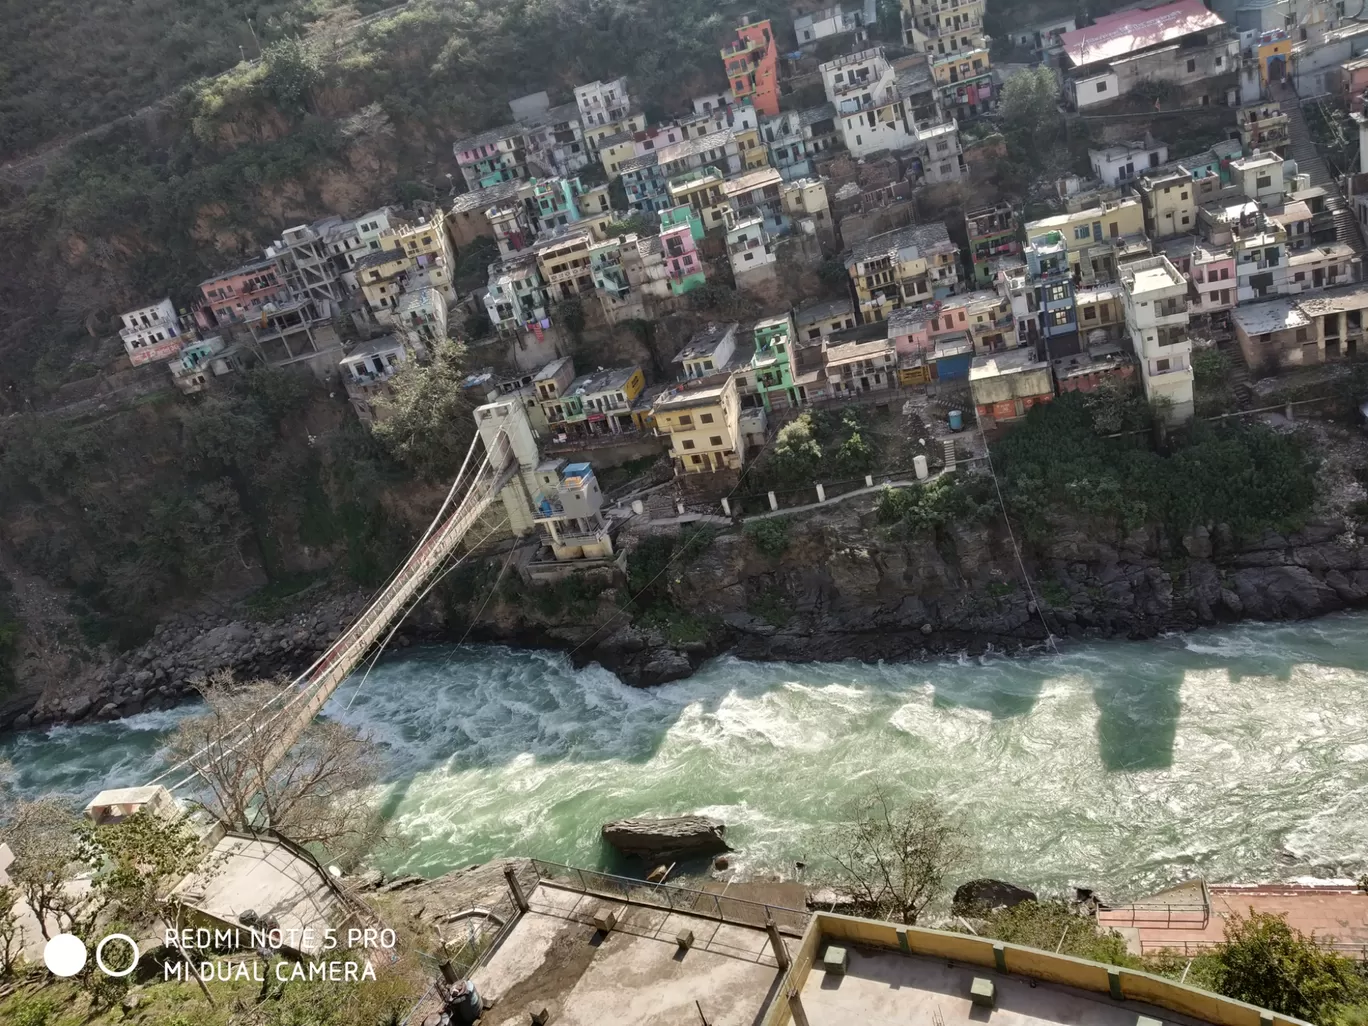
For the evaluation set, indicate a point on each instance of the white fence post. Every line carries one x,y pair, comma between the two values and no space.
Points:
774,503
821,494
726,507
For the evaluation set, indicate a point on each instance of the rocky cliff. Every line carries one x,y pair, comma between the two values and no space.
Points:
843,589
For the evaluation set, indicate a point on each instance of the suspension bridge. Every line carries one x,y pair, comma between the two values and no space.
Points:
503,446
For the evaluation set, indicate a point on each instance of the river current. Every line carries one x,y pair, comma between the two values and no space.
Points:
1239,753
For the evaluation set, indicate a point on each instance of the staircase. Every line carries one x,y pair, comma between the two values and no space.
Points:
949,449
1239,374
1310,162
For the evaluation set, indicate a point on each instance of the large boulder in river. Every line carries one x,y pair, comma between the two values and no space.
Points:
671,836
980,896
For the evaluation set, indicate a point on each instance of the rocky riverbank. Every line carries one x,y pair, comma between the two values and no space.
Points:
843,588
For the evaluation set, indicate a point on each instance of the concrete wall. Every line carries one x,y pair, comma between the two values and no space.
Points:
1023,961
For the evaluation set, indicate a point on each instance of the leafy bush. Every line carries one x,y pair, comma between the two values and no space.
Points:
770,536
1246,476
926,507
1268,963
1051,926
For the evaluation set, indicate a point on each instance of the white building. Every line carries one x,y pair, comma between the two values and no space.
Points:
749,246
603,103
151,333
833,21
1155,298
366,371
1123,161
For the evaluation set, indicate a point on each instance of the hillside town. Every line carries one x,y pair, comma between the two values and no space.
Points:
838,237
592,216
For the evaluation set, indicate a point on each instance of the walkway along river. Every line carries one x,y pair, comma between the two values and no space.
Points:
1239,753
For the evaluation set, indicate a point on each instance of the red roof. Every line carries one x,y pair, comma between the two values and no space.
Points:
1124,32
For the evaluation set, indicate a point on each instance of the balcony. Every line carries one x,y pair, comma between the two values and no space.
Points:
546,507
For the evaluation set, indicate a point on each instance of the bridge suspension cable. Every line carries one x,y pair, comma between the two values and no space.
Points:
419,572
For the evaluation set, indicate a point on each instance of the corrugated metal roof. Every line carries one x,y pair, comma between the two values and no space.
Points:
1125,32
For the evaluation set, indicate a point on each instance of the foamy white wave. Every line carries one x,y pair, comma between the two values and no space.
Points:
1123,766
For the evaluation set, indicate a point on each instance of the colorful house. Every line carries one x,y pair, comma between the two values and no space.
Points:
772,362
752,63
1274,52
236,295
964,82
992,233
1047,258
680,231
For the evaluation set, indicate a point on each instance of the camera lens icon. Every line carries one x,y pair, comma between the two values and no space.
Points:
65,955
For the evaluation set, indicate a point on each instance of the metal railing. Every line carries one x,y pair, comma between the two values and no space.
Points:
1191,915
684,900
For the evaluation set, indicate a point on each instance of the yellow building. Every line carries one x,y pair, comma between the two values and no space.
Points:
563,259
701,191
1099,309
614,150
379,274
934,26
753,151
1275,56
595,134
1170,204
703,420
1081,228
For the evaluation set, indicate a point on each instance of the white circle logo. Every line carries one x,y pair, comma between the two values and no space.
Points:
99,955
65,954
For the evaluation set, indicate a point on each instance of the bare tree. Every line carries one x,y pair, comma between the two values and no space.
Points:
311,794
11,933
892,857
42,836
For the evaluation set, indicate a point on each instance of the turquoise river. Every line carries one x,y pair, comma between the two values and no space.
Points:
1239,753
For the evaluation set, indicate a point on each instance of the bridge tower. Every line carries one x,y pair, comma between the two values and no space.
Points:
510,419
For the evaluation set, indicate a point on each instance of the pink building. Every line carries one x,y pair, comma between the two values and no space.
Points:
237,295
948,316
1212,276
909,331
1353,81
679,231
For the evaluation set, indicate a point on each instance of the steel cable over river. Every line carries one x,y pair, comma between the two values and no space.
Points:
1239,753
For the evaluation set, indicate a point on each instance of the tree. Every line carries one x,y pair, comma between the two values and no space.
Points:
311,793
1268,963
796,452
136,861
892,858
1029,113
11,933
293,67
41,833
425,420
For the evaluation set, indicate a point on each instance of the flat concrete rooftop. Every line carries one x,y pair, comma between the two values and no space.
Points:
882,987
555,958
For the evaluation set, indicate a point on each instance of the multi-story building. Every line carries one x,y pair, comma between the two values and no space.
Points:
307,265
988,316
1122,161
993,233
750,249
568,506
1047,260
603,103
758,194
201,360
772,362
563,259
741,120
871,114
943,26
856,367
702,418
1302,330
1264,127
554,138
380,274
964,82
1182,44
783,138
718,149
680,233
597,404
645,183
237,295
1155,300
1082,229
517,297
1101,315
701,191
151,333
366,372
817,320
752,64
904,267
805,199
709,350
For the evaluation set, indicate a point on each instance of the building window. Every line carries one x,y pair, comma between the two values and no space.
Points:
688,443
686,421
697,460
1089,312
1082,232
706,418
1192,64
1162,365
716,441
1101,87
